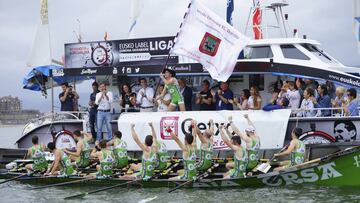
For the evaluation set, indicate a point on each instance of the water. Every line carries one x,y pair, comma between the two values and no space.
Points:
9,135
16,192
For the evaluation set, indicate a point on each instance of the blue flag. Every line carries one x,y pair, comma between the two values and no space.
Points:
229,11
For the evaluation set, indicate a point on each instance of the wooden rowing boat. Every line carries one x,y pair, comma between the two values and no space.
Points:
338,169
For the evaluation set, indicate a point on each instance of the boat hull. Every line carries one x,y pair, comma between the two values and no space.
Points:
337,169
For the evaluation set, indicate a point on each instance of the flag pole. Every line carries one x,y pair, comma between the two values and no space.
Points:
168,56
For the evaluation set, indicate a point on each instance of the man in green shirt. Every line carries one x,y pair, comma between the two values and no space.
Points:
36,153
106,158
296,150
119,148
82,154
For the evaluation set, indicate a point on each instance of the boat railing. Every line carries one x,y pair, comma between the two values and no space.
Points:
318,112
53,117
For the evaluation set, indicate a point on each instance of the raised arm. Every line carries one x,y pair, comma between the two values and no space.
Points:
237,131
196,131
246,116
177,140
153,133
136,139
212,126
225,139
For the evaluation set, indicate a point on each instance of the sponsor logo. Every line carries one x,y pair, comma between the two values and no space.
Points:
209,44
57,72
168,122
88,71
310,175
115,71
357,161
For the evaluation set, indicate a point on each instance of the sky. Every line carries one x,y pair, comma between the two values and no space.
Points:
329,22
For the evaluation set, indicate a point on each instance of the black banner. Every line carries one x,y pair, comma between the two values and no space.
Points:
114,53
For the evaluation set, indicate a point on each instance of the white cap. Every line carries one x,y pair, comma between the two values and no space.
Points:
250,129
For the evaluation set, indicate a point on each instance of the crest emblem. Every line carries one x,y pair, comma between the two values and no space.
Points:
168,123
209,44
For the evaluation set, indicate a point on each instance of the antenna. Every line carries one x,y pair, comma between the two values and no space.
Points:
78,33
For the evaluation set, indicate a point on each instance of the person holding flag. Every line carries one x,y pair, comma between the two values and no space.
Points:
172,86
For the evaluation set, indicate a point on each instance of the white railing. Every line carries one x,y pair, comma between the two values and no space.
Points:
334,112
53,117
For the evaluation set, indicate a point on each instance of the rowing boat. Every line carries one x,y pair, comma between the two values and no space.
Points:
338,169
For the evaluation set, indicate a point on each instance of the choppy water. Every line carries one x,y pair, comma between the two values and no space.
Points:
16,192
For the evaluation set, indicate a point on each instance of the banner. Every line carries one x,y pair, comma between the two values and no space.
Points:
208,39
145,51
270,126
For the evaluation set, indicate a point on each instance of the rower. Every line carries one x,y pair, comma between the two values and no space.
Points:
296,150
162,154
189,154
106,158
240,155
119,150
61,165
206,147
252,142
83,150
149,156
36,153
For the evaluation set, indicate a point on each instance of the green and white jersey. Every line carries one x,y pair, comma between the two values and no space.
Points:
205,155
253,154
106,164
38,156
174,91
67,167
84,159
240,163
120,151
163,156
148,166
298,155
190,165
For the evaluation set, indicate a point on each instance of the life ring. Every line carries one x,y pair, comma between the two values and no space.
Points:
64,139
316,137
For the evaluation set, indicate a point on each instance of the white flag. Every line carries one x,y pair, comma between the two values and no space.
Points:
210,40
41,54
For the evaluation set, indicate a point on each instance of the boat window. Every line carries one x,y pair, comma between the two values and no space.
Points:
258,52
291,52
319,54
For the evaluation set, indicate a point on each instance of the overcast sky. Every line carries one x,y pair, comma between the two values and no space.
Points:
329,22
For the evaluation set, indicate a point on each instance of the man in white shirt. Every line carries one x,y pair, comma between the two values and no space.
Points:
145,97
104,99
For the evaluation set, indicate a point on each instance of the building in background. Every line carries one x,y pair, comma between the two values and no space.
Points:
11,112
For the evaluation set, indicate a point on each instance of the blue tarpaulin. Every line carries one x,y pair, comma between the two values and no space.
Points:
38,78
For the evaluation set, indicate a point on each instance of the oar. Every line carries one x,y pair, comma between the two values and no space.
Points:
100,190
64,183
194,179
114,186
14,178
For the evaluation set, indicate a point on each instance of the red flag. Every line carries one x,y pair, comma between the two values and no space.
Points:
257,22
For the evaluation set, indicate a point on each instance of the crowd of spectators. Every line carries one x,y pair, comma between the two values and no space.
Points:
306,98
